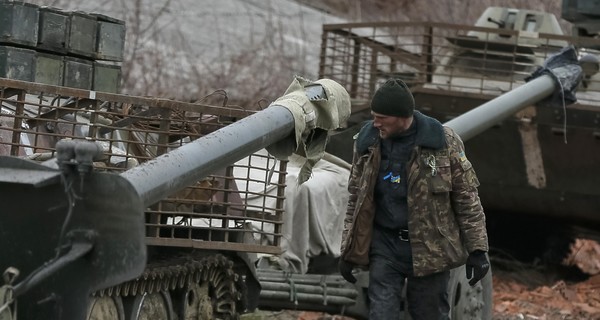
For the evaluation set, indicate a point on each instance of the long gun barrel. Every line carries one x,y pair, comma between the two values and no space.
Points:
155,179
294,114
561,74
94,221
483,117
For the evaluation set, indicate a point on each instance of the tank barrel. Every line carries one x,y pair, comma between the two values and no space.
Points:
477,120
305,106
163,175
559,77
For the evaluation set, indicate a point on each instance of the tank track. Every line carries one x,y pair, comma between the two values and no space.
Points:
199,288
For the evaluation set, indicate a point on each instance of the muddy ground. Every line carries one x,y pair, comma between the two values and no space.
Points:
522,291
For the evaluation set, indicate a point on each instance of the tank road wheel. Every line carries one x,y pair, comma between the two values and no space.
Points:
106,308
213,293
466,302
198,303
152,306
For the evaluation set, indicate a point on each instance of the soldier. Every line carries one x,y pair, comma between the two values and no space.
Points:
414,211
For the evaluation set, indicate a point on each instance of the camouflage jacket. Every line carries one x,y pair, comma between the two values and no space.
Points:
445,219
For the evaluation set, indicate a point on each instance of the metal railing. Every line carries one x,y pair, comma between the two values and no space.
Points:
239,208
437,56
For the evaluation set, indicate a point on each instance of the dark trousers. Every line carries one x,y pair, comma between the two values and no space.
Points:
427,296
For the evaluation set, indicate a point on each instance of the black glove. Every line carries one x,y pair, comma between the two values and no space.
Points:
477,266
346,270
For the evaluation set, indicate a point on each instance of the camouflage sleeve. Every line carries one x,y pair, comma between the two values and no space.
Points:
464,196
353,188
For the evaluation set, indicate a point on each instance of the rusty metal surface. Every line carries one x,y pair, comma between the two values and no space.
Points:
240,208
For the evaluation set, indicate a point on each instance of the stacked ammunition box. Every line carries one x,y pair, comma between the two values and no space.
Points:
56,47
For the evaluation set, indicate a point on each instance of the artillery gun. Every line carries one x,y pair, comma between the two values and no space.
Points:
82,243
189,254
542,169
120,244
535,163
182,243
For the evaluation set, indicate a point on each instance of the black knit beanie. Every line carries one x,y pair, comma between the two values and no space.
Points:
393,98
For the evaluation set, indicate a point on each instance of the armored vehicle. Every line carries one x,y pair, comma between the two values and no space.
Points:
537,166
126,226
134,217
122,207
153,218
539,161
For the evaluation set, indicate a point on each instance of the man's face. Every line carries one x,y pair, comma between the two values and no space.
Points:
390,126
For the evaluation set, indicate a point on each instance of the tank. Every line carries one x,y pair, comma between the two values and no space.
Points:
130,225
140,207
536,165
543,161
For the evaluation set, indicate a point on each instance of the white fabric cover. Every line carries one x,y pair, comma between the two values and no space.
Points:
314,212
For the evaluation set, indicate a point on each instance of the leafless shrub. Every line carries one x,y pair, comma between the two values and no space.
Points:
248,53
253,63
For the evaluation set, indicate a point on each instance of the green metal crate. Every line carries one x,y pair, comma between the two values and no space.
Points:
49,69
53,32
107,77
17,63
110,38
78,73
18,23
82,34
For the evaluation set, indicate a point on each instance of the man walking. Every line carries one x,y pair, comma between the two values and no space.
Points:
414,211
